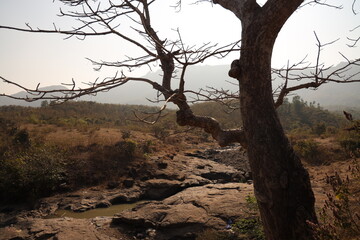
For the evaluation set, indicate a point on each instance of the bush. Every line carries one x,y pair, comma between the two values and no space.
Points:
97,164
125,134
319,128
32,173
249,228
22,138
160,132
126,148
308,150
331,130
351,144
351,141
147,146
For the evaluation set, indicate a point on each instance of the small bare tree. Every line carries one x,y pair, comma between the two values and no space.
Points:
282,185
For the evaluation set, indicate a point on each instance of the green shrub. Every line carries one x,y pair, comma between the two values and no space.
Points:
350,140
251,204
249,228
301,132
31,173
308,150
22,137
319,128
127,148
351,144
147,147
34,119
331,130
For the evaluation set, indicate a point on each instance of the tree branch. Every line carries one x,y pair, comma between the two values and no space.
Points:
185,117
243,9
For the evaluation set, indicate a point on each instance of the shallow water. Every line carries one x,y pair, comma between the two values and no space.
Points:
110,211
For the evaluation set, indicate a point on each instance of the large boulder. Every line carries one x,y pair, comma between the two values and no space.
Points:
186,213
157,189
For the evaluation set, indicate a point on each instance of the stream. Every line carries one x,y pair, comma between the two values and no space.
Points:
97,212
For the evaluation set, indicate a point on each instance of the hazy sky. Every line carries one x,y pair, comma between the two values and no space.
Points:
49,59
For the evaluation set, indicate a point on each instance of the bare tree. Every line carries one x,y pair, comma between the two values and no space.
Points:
282,185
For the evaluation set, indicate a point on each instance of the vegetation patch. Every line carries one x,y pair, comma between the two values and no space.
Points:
247,228
30,173
308,150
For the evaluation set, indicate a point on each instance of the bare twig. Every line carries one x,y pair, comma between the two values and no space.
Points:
158,113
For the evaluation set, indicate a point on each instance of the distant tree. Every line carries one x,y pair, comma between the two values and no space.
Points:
282,185
44,103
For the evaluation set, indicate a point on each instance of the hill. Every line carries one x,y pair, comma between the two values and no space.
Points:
295,114
4,101
205,76
77,114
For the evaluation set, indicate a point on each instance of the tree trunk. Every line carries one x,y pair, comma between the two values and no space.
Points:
282,185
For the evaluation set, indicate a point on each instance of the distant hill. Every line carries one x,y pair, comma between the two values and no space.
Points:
330,94
5,101
197,77
81,113
335,94
293,115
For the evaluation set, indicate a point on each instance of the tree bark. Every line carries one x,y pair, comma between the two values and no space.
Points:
282,185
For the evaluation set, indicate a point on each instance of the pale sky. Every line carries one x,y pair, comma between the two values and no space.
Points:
29,58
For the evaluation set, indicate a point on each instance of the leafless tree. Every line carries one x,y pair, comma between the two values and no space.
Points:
173,56
282,185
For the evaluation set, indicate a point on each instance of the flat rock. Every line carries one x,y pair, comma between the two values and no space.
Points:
190,210
59,229
152,182
234,156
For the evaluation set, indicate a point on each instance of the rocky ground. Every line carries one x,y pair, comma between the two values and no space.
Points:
189,192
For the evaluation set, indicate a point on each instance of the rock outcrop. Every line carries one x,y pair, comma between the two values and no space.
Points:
186,213
155,179
60,229
188,193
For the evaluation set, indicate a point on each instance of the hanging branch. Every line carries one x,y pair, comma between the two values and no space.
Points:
158,113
